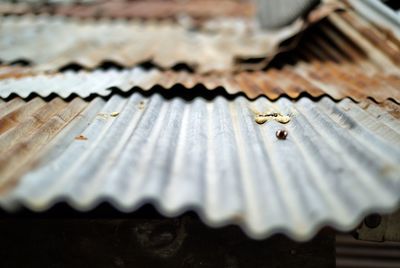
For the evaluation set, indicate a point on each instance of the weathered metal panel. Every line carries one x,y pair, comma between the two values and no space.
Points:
7,71
339,161
378,13
219,45
154,9
316,79
346,37
345,56
69,41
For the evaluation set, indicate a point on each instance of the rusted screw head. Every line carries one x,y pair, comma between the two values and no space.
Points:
373,221
281,134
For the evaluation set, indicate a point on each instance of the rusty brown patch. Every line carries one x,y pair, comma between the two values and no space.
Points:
156,9
81,138
9,121
392,108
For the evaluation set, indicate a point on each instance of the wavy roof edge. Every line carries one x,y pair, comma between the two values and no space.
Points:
292,82
336,224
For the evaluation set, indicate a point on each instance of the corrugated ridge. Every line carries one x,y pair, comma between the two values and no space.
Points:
370,45
316,79
333,169
329,61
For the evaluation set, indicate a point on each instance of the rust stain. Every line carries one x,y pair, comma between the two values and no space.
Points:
15,72
81,137
219,55
352,73
324,10
141,105
14,75
15,116
20,147
392,108
8,121
155,9
376,37
8,186
365,105
317,78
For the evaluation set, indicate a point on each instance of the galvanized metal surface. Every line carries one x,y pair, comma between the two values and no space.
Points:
316,79
339,162
274,14
69,41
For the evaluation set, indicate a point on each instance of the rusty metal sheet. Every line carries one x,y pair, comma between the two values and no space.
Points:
220,45
337,57
328,61
7,71
380,14
315,79
145,9
165,43
338,162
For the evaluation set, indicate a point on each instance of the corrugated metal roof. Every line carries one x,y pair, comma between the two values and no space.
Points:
338,162
133,42
347,48
316,79
216,45
153,9
345,56
385,18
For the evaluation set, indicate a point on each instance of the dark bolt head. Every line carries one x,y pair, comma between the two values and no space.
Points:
281,134
373,221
